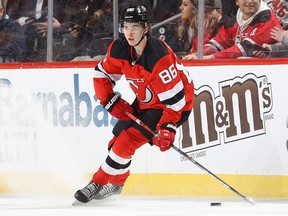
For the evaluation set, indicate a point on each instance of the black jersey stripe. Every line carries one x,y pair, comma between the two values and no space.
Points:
110,162
100,71
175,99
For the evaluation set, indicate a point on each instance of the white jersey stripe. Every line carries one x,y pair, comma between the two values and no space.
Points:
216,44
117,158
111,171
177,106
103,74
172,92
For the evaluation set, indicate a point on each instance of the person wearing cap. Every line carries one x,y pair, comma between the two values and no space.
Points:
164,93
214,20
250,29
214,13
213,4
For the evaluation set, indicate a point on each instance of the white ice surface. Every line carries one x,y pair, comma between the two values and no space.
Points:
142,206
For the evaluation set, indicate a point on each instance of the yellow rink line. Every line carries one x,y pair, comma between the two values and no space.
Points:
258,186
204,185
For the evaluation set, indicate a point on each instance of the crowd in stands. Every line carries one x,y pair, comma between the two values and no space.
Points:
83,29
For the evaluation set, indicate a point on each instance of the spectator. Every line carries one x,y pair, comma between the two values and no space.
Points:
73,12
25,11
188,28
93,38
12,40
3,3
279,7
32,16
89,40
214,20
212,23
229,8
279,49
254,21
163,9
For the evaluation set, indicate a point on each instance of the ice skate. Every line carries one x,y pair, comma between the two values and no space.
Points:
88,193
108,190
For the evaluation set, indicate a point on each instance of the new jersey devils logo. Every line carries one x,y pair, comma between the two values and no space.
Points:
141,88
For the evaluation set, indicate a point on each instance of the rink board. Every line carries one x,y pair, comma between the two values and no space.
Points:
49,117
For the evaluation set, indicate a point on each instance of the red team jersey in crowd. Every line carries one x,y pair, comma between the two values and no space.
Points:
157,77
233,41
280,8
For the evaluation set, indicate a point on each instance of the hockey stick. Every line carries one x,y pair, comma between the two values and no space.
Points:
139,122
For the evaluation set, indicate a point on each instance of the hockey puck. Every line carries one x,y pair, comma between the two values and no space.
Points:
215,204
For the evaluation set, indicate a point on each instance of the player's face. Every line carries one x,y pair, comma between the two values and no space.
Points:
248,7
133,32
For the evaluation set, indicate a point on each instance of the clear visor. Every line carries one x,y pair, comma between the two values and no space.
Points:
131,28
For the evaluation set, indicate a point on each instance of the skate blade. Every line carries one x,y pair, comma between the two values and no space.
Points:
96,202
78,203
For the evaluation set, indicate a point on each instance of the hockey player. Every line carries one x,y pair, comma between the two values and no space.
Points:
164,98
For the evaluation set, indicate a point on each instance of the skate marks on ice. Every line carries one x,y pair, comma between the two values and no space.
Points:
138,206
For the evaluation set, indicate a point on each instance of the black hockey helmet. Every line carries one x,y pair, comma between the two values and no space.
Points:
134,14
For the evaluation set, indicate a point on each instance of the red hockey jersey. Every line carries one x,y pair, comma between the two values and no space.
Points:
157,77
233,41
280,8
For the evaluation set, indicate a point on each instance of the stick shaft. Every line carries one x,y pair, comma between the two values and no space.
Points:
139,122
249,200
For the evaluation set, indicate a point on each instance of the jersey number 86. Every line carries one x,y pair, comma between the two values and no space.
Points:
168,75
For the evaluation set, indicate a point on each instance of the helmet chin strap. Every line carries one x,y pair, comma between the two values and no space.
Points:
143,35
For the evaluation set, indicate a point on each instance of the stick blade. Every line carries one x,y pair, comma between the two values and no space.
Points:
250,200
